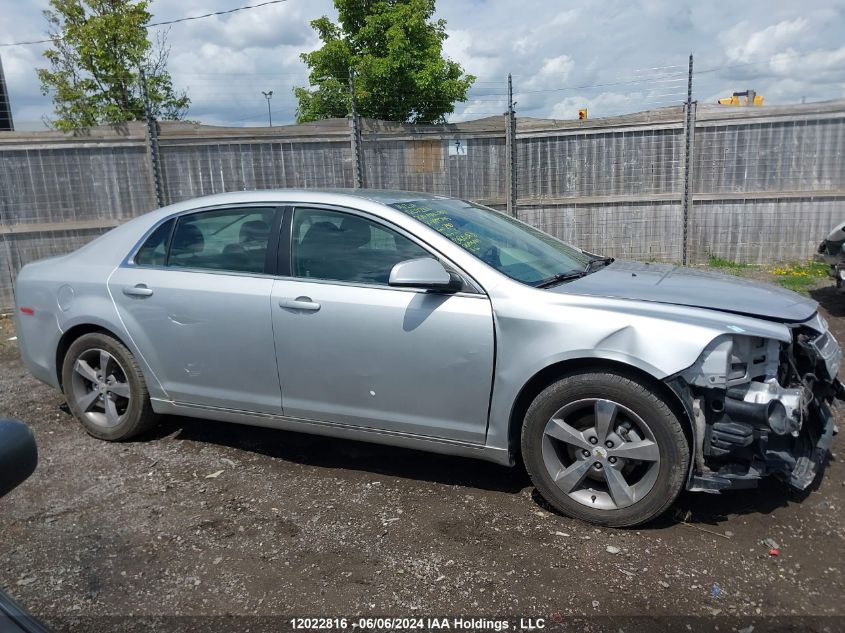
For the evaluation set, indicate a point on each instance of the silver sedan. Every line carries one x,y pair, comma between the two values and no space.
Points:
437,324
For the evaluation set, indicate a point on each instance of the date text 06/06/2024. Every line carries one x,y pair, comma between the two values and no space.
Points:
417,623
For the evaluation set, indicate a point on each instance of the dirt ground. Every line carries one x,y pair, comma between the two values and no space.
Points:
309,526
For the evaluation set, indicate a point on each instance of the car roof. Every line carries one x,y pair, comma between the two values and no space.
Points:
382,196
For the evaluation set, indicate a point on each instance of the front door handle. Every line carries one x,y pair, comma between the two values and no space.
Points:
139,290
300,303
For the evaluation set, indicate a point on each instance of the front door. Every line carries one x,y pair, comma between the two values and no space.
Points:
353,350
196,302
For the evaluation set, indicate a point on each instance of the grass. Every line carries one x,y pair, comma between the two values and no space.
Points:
799,277
796,276
725,264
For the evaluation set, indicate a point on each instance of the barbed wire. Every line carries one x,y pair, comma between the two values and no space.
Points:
615,188
163,22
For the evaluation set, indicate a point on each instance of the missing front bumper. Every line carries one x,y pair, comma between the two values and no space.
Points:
795,460
804,467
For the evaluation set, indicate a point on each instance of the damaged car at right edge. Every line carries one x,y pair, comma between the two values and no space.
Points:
761,405
758,382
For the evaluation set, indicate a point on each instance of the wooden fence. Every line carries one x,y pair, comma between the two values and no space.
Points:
767,183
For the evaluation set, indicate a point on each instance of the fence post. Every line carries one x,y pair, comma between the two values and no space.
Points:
510,151
689,133
355,136
152,141
10,266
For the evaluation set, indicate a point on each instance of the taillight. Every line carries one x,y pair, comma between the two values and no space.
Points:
27,311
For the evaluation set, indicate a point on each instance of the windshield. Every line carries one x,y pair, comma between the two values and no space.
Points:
512,247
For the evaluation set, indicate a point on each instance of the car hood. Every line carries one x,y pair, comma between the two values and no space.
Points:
691,287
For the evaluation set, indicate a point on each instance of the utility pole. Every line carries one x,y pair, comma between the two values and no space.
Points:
152,140
689,132
355,137
268,96
510,151
6,123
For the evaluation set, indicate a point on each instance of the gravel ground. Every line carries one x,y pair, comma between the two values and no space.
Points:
199,517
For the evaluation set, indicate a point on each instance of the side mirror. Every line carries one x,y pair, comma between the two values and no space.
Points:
18,454
424,272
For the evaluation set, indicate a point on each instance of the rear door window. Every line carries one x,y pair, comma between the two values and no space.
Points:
227,239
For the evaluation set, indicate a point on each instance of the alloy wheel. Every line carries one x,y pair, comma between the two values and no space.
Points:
100,388
600,453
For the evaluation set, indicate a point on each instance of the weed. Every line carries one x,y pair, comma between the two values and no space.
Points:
799,277
715,261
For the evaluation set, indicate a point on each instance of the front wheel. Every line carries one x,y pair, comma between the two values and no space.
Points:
105,389
605,448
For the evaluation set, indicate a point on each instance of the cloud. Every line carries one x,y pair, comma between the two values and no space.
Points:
267,27
482,60
566,18
744,45
604,104
557,68
611,56
823,66
553,73
226,62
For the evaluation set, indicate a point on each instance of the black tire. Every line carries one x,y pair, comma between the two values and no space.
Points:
138,415
639,398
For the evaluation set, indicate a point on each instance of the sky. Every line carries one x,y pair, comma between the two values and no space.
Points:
609,56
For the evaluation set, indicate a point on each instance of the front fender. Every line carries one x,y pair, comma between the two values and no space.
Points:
658,339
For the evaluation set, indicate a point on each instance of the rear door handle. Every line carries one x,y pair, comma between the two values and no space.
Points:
139,290
300,303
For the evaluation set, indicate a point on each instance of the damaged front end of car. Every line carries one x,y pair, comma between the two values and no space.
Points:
761,407
832,253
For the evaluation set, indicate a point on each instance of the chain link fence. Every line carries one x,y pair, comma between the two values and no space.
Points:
761,185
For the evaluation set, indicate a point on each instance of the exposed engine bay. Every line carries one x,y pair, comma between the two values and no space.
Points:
762,407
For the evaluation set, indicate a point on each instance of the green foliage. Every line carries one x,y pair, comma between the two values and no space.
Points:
395,51
98,48
799,277
720,262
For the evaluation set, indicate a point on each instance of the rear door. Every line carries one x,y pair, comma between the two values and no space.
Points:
354,350
196,301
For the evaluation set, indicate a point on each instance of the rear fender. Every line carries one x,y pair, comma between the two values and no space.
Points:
98,309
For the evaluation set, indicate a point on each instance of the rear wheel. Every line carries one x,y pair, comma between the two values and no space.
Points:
605,448
105,389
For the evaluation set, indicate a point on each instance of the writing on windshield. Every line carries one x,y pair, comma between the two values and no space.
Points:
512,247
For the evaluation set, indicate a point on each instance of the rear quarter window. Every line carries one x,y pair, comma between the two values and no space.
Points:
154,250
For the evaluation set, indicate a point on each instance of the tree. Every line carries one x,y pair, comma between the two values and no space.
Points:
98,50
395,52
